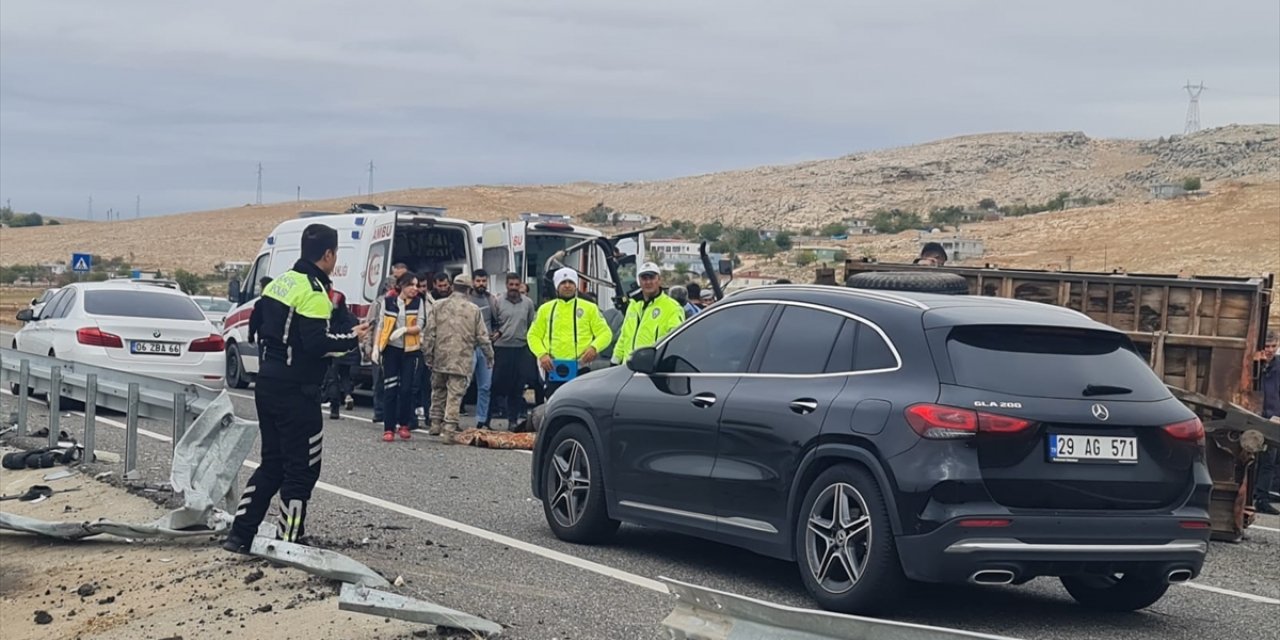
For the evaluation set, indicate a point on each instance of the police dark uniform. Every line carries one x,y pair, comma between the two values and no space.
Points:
296,343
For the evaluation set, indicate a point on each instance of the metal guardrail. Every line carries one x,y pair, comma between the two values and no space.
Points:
137,396
707,614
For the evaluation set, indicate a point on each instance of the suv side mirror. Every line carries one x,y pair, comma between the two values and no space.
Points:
233,291
644,360
26,315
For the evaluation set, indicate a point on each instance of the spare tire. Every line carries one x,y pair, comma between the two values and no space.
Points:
919,281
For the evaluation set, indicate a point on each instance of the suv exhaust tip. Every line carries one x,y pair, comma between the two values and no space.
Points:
1178,575
997,576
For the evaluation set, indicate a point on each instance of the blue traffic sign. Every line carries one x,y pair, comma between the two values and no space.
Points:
81,262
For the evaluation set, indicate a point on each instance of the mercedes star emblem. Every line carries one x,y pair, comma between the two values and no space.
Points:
1100,412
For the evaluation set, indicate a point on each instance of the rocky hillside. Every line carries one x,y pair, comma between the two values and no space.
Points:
1007,167
1010,168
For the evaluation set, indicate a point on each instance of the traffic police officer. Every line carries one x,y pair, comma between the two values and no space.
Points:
296,345
567,328
650,318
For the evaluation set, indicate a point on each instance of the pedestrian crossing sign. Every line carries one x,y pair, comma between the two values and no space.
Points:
81,262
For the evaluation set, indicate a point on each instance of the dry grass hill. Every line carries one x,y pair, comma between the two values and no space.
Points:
1233,230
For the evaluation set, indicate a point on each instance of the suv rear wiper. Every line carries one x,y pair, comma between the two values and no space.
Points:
1104,390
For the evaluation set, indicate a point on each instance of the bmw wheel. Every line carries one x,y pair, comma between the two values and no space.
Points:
573,488
844,543
235,368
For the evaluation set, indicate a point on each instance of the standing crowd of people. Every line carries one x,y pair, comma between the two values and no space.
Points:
432,338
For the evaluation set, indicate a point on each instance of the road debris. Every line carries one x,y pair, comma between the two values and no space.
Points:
320,562
391,605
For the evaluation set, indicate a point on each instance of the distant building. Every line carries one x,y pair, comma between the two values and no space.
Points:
1167,191
860,227
958,247
749,279
630,218
55,268
692,261
664,246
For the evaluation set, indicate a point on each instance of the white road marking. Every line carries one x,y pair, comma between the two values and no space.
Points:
1258,526
1228,592
551,554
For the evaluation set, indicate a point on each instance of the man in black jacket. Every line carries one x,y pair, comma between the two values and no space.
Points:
297,343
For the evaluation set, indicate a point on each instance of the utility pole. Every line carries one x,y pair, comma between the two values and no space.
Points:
299,193
371,176
259,200
1193,107
137,207
90,207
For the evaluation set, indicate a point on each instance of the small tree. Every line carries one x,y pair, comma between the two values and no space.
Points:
783,240
189,282
806,258
50,222
987,204
835,229
682,273
711,231
1191,184
598,214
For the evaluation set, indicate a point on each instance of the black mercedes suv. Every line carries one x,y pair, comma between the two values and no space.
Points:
876,437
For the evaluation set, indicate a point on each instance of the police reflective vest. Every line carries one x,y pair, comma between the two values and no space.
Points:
647,322
564,329
294,326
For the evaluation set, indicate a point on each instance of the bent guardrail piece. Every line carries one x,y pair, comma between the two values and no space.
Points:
206,462
709,614
391,605
321,562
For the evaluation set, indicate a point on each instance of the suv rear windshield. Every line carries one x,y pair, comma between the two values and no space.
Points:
141,304
1051,362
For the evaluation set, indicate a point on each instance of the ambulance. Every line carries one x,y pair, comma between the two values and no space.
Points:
539,243
371,238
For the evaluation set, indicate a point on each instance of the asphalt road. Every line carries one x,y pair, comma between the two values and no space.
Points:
461,527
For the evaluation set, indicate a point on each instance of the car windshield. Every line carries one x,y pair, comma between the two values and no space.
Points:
1051,362
141,304
216,305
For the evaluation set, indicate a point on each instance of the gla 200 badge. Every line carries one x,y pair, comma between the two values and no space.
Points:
997,405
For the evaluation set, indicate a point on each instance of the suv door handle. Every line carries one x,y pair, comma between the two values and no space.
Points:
804,405
704,400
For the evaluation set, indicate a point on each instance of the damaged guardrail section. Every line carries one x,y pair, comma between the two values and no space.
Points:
707,614
136,396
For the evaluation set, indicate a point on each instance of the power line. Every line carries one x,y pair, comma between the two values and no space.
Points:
1193,107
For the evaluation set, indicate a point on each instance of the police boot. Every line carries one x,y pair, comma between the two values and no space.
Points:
292,523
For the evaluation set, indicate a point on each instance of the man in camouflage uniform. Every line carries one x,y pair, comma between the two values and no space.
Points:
454,330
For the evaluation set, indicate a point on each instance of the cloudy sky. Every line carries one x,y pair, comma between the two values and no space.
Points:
178,102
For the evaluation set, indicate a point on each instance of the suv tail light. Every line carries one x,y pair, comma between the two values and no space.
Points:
940,422
96,337
205,345
1188,430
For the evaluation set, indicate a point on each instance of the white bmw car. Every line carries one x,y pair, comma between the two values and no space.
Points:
143,329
